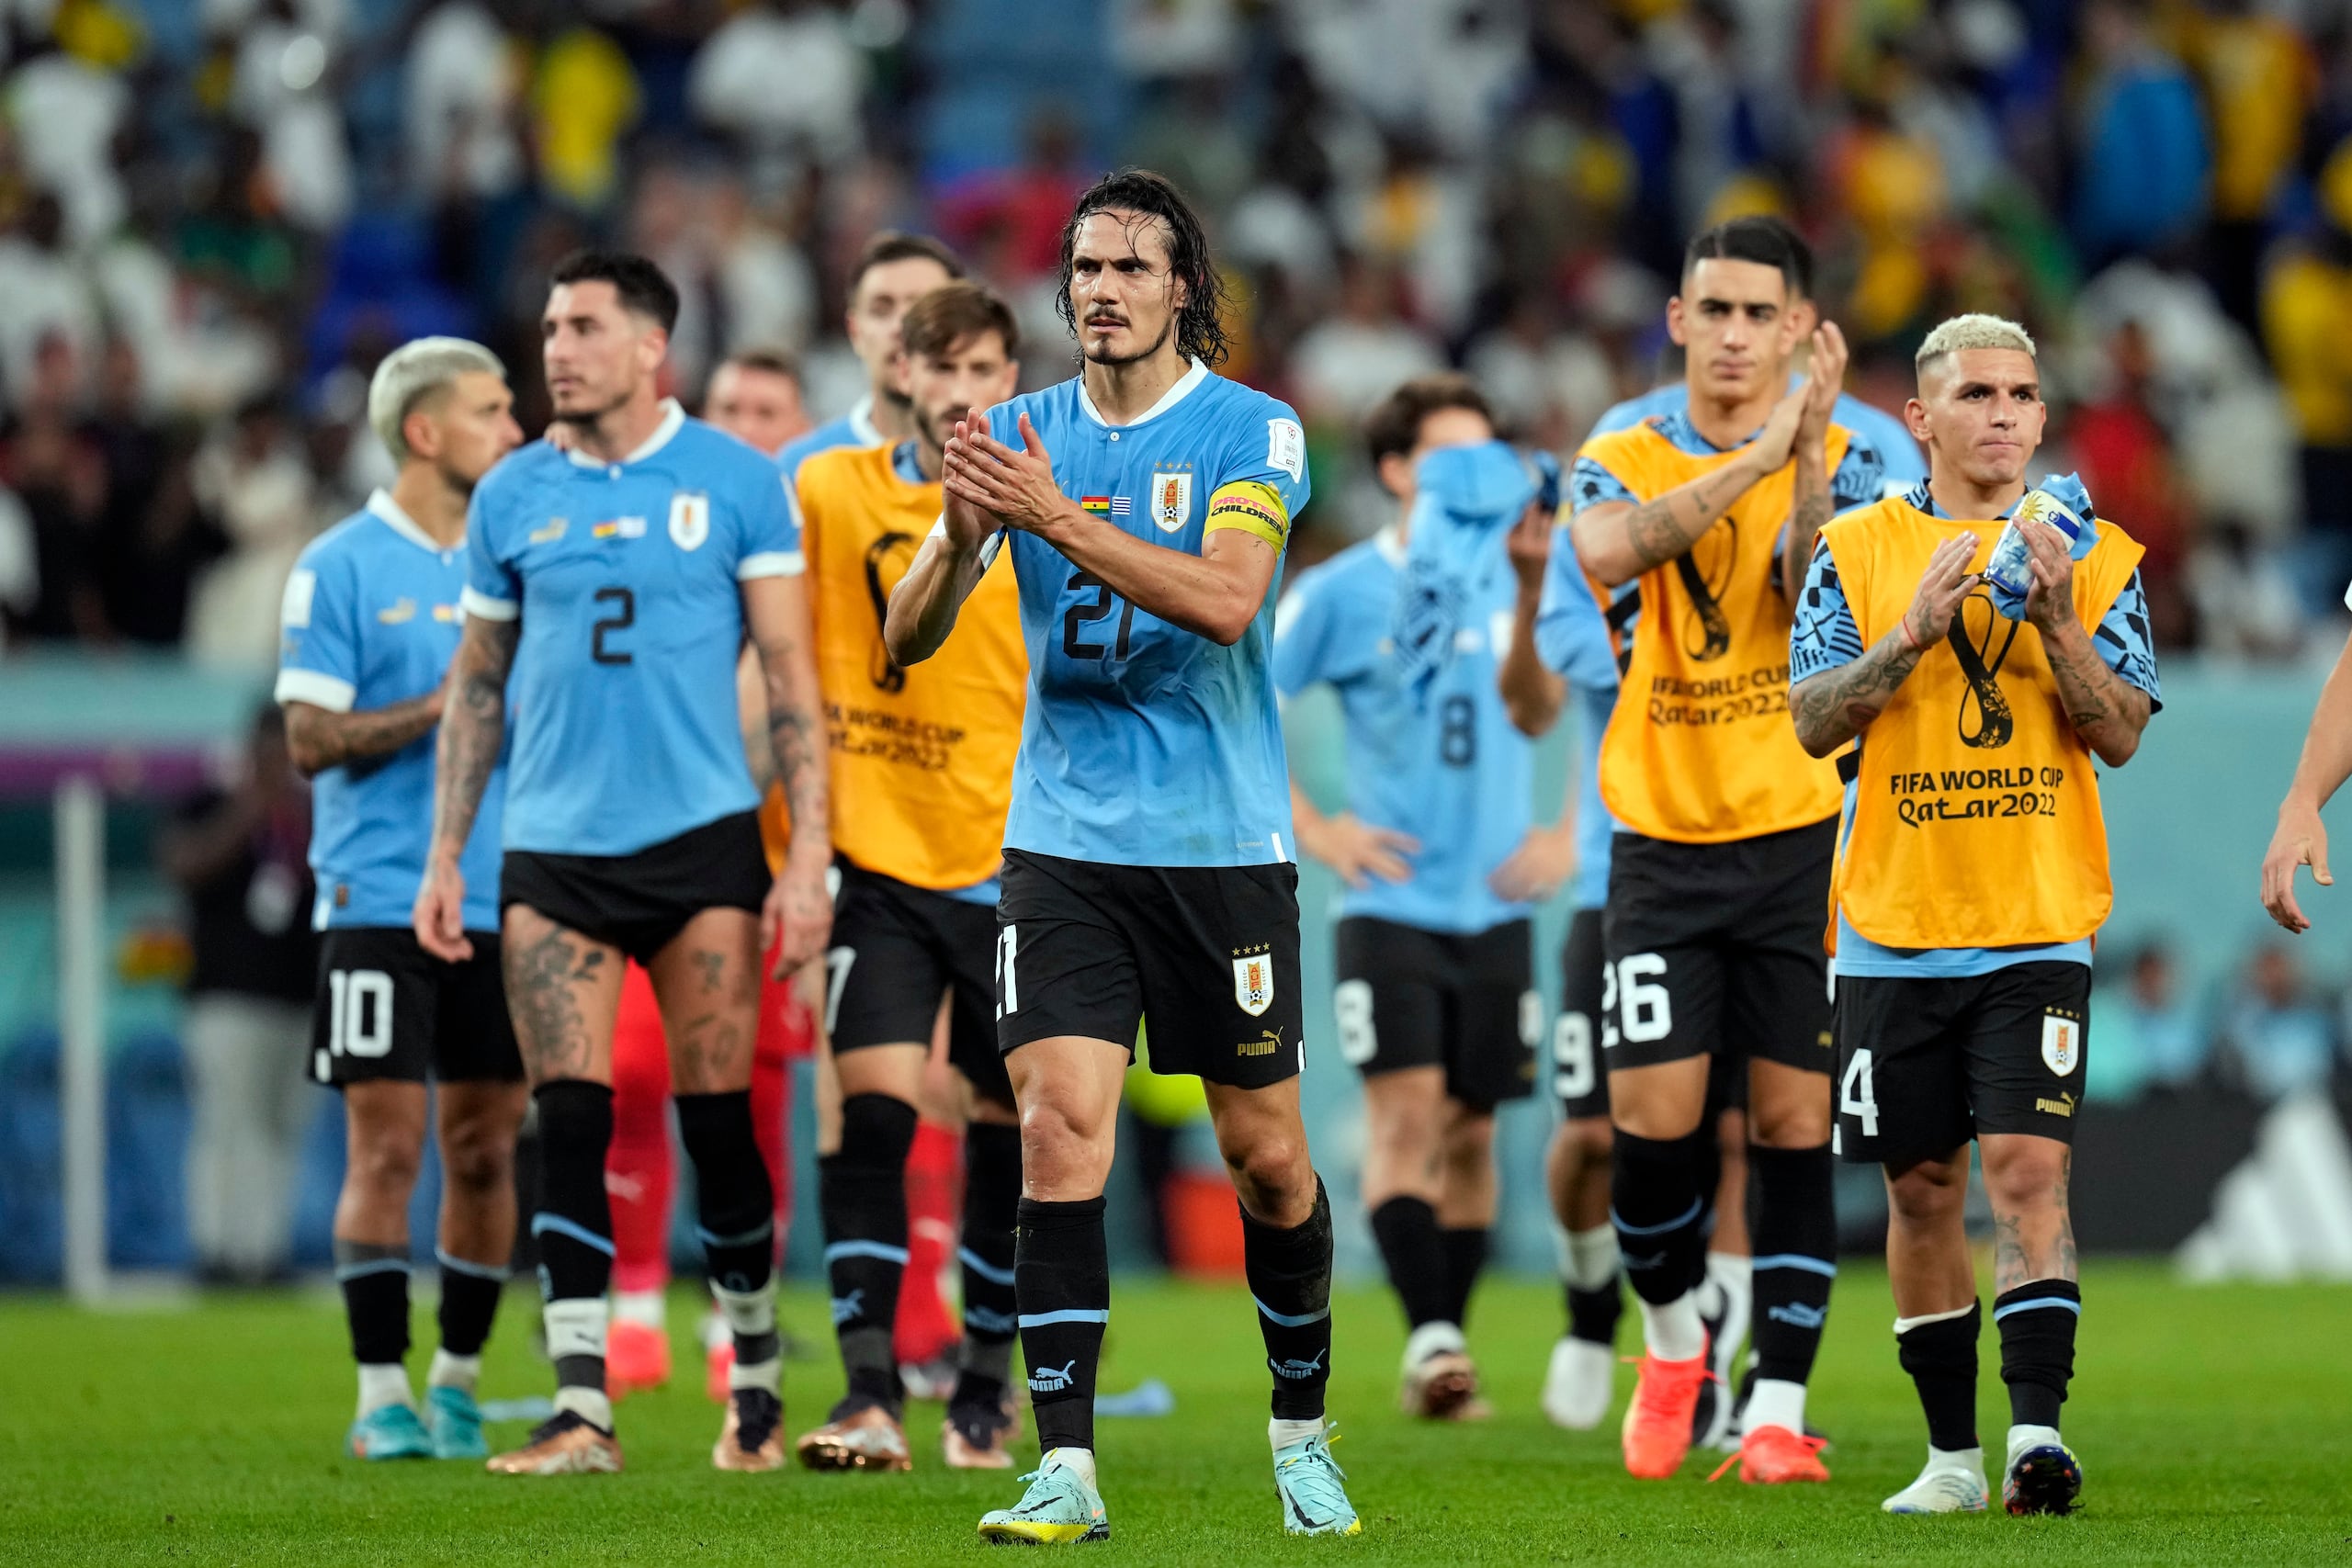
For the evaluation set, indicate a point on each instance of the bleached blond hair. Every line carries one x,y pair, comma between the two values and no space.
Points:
1976,329
414,371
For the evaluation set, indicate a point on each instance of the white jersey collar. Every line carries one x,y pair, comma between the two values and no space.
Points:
862,428
1167,400
1390,542
674,419
385,510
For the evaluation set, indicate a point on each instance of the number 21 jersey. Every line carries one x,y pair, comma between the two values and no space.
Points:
1144,744
626,577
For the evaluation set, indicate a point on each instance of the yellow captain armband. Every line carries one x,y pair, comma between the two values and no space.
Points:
1252,506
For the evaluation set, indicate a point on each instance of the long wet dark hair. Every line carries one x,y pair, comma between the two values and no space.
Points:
1200,325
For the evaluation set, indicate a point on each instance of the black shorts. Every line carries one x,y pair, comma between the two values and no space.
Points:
1716,950
1208,953
1925,1065
897,950
387,1009
1409,998
638,902
1576,1077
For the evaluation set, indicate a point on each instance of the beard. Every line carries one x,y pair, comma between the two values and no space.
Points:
590,414
1100,355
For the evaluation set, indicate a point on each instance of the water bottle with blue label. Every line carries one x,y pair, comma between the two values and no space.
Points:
2011,569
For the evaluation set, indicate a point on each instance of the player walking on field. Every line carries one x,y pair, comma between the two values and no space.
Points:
370,622
1720,871
922,770
1436,998
615,582
1973,876
1146,504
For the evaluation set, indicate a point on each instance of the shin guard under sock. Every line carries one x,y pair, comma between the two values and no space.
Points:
991,1211
574,1229
735,1214
1062,1276
1466,1257
2037,1324
1794,1232
861,1189
1657,1200
469,1303
1290,1276
374,1281
1939,1352
1413,1248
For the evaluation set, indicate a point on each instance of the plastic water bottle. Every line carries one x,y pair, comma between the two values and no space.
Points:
2011,569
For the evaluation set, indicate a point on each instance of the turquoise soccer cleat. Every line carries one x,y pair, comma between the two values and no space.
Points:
1058,1509
455,1422
1310,1481
388,1431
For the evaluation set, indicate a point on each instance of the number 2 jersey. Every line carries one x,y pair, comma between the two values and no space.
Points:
1144,744
627,576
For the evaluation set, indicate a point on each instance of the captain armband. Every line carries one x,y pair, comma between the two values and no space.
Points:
1254,508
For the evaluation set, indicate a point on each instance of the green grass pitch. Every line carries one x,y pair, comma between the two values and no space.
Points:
2215,1425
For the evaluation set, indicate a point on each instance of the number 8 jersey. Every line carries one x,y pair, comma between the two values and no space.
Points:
1144,744
621,707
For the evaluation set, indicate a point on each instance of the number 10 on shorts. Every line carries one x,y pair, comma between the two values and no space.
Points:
359,1012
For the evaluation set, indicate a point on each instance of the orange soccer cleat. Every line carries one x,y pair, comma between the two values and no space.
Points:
1772,1456
1656,1433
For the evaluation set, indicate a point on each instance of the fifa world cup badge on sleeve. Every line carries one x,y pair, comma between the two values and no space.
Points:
1287,448
1253,982
2062,1043
689,519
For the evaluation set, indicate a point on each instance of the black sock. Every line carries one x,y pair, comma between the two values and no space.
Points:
862,1191
1465,1255
735,1210
1414,1250
991,1210
1593,1314
574,1224
1062,1275
1290,1276
1659,1203
1942,1359
468,1302
1795,1232
2037,1322
375,1298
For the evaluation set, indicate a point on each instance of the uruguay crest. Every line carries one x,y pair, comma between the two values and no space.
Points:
2062,1043
689,519
1171,501
1253,982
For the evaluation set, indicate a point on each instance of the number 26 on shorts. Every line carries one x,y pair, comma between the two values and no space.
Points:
1634,1008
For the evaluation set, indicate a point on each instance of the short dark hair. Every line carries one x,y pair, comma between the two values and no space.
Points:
774,361
1200,325
890,245
1394,428
936,323
1766,240
643,288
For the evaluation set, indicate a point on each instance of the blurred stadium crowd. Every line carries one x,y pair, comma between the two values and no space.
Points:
215,215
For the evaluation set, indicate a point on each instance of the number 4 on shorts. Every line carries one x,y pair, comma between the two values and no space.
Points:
1856,1097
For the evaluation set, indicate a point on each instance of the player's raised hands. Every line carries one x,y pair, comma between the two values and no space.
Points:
1942,586
969,523
1014,486
1530,544
2050,603
2300,841
1779,437
439,916
1824,382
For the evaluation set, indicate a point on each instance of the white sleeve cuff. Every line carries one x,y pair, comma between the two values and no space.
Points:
483,607
771,563
316,688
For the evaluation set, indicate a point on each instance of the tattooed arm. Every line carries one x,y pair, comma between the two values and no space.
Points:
1619,540
751,713
318,739
2108,711
473,729
1836,705
775,609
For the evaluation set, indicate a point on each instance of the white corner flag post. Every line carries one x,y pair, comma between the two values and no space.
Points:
80,848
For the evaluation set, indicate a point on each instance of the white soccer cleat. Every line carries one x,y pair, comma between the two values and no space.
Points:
1953,1483
1579,1384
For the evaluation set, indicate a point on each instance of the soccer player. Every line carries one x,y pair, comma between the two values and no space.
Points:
615,582
370,622
1436,997
1146,504
921,773
892,272
1720,871
1973,876
755,396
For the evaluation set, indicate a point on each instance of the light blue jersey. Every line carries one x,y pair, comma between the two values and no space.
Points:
1575,641
370,618
854,428
1902,464
1447,767
1825,638
627,576
1144,744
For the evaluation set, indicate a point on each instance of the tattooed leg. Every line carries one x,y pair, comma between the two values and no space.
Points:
708,981
563,990
2033,1233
